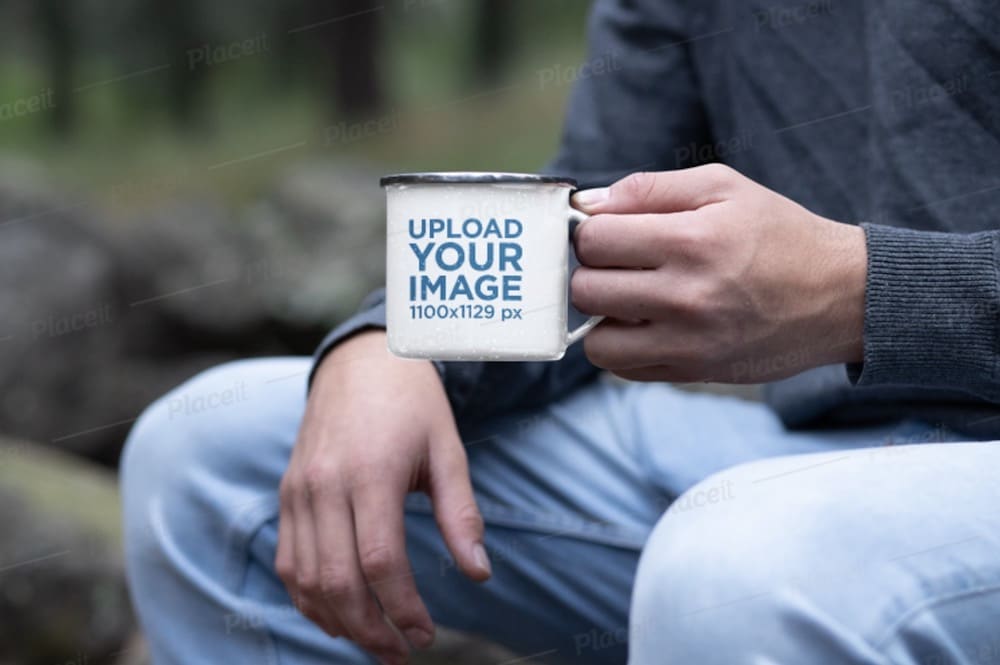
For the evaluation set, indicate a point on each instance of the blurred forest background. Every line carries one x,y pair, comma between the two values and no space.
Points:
186,183
133,99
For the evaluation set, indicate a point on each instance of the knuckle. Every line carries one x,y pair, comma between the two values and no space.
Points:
285,570
409,613
582,292
691,299
657,303
372,638
379,561
317,479
469,517
332,584
597,352
586,241
286,489
308,609
637,188
717,171
718,176
307,583
698,239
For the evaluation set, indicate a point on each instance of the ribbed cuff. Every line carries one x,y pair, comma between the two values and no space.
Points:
931,309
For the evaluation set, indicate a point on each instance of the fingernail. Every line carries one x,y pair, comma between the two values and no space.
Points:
590,197
419,637
482,559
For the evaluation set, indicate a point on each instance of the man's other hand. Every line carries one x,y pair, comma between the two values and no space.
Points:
376,427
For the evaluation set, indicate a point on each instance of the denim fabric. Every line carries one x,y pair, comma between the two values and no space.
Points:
840,546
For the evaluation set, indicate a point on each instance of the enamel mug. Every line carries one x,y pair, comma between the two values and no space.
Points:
477,266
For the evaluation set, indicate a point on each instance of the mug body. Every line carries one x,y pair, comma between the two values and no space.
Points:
476,266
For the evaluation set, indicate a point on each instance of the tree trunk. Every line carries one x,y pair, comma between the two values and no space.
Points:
56,20
493,25
352,40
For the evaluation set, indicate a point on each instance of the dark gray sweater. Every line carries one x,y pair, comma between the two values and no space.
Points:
880,112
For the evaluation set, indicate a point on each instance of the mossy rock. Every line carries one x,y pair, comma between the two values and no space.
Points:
63,597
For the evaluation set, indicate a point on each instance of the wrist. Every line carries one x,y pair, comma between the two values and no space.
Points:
366,348
845,281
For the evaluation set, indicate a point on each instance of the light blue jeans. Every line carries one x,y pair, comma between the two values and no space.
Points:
824,547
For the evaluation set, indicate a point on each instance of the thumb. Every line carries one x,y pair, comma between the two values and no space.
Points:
659,192
455,507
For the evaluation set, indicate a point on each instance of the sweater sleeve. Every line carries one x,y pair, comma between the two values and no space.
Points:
635,101
932,311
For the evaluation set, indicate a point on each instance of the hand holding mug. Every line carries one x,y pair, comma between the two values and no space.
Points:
705,275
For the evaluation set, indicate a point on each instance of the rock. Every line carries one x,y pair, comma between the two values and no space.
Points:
102,313
187,263
322,229
62,591
79,358
61,316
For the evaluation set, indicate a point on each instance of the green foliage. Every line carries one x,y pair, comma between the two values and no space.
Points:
437,115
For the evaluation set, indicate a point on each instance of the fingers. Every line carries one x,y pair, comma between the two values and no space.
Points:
284,559
630,295
659,192
628,241
455,508
306,570
620,346
339,586
381,535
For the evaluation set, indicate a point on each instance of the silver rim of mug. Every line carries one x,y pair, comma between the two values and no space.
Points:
475,177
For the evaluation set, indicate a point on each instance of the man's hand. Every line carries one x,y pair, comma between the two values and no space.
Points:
705,275
375,428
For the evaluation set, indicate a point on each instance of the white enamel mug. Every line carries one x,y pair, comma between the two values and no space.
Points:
477,266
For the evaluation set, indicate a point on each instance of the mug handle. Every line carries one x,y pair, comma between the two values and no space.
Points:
576,335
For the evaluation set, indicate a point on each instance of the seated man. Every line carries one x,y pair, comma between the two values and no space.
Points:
528,502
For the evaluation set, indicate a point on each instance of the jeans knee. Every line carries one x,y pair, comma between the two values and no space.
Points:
214,430
723,562
175,433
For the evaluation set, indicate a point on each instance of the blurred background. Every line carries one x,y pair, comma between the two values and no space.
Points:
185,183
